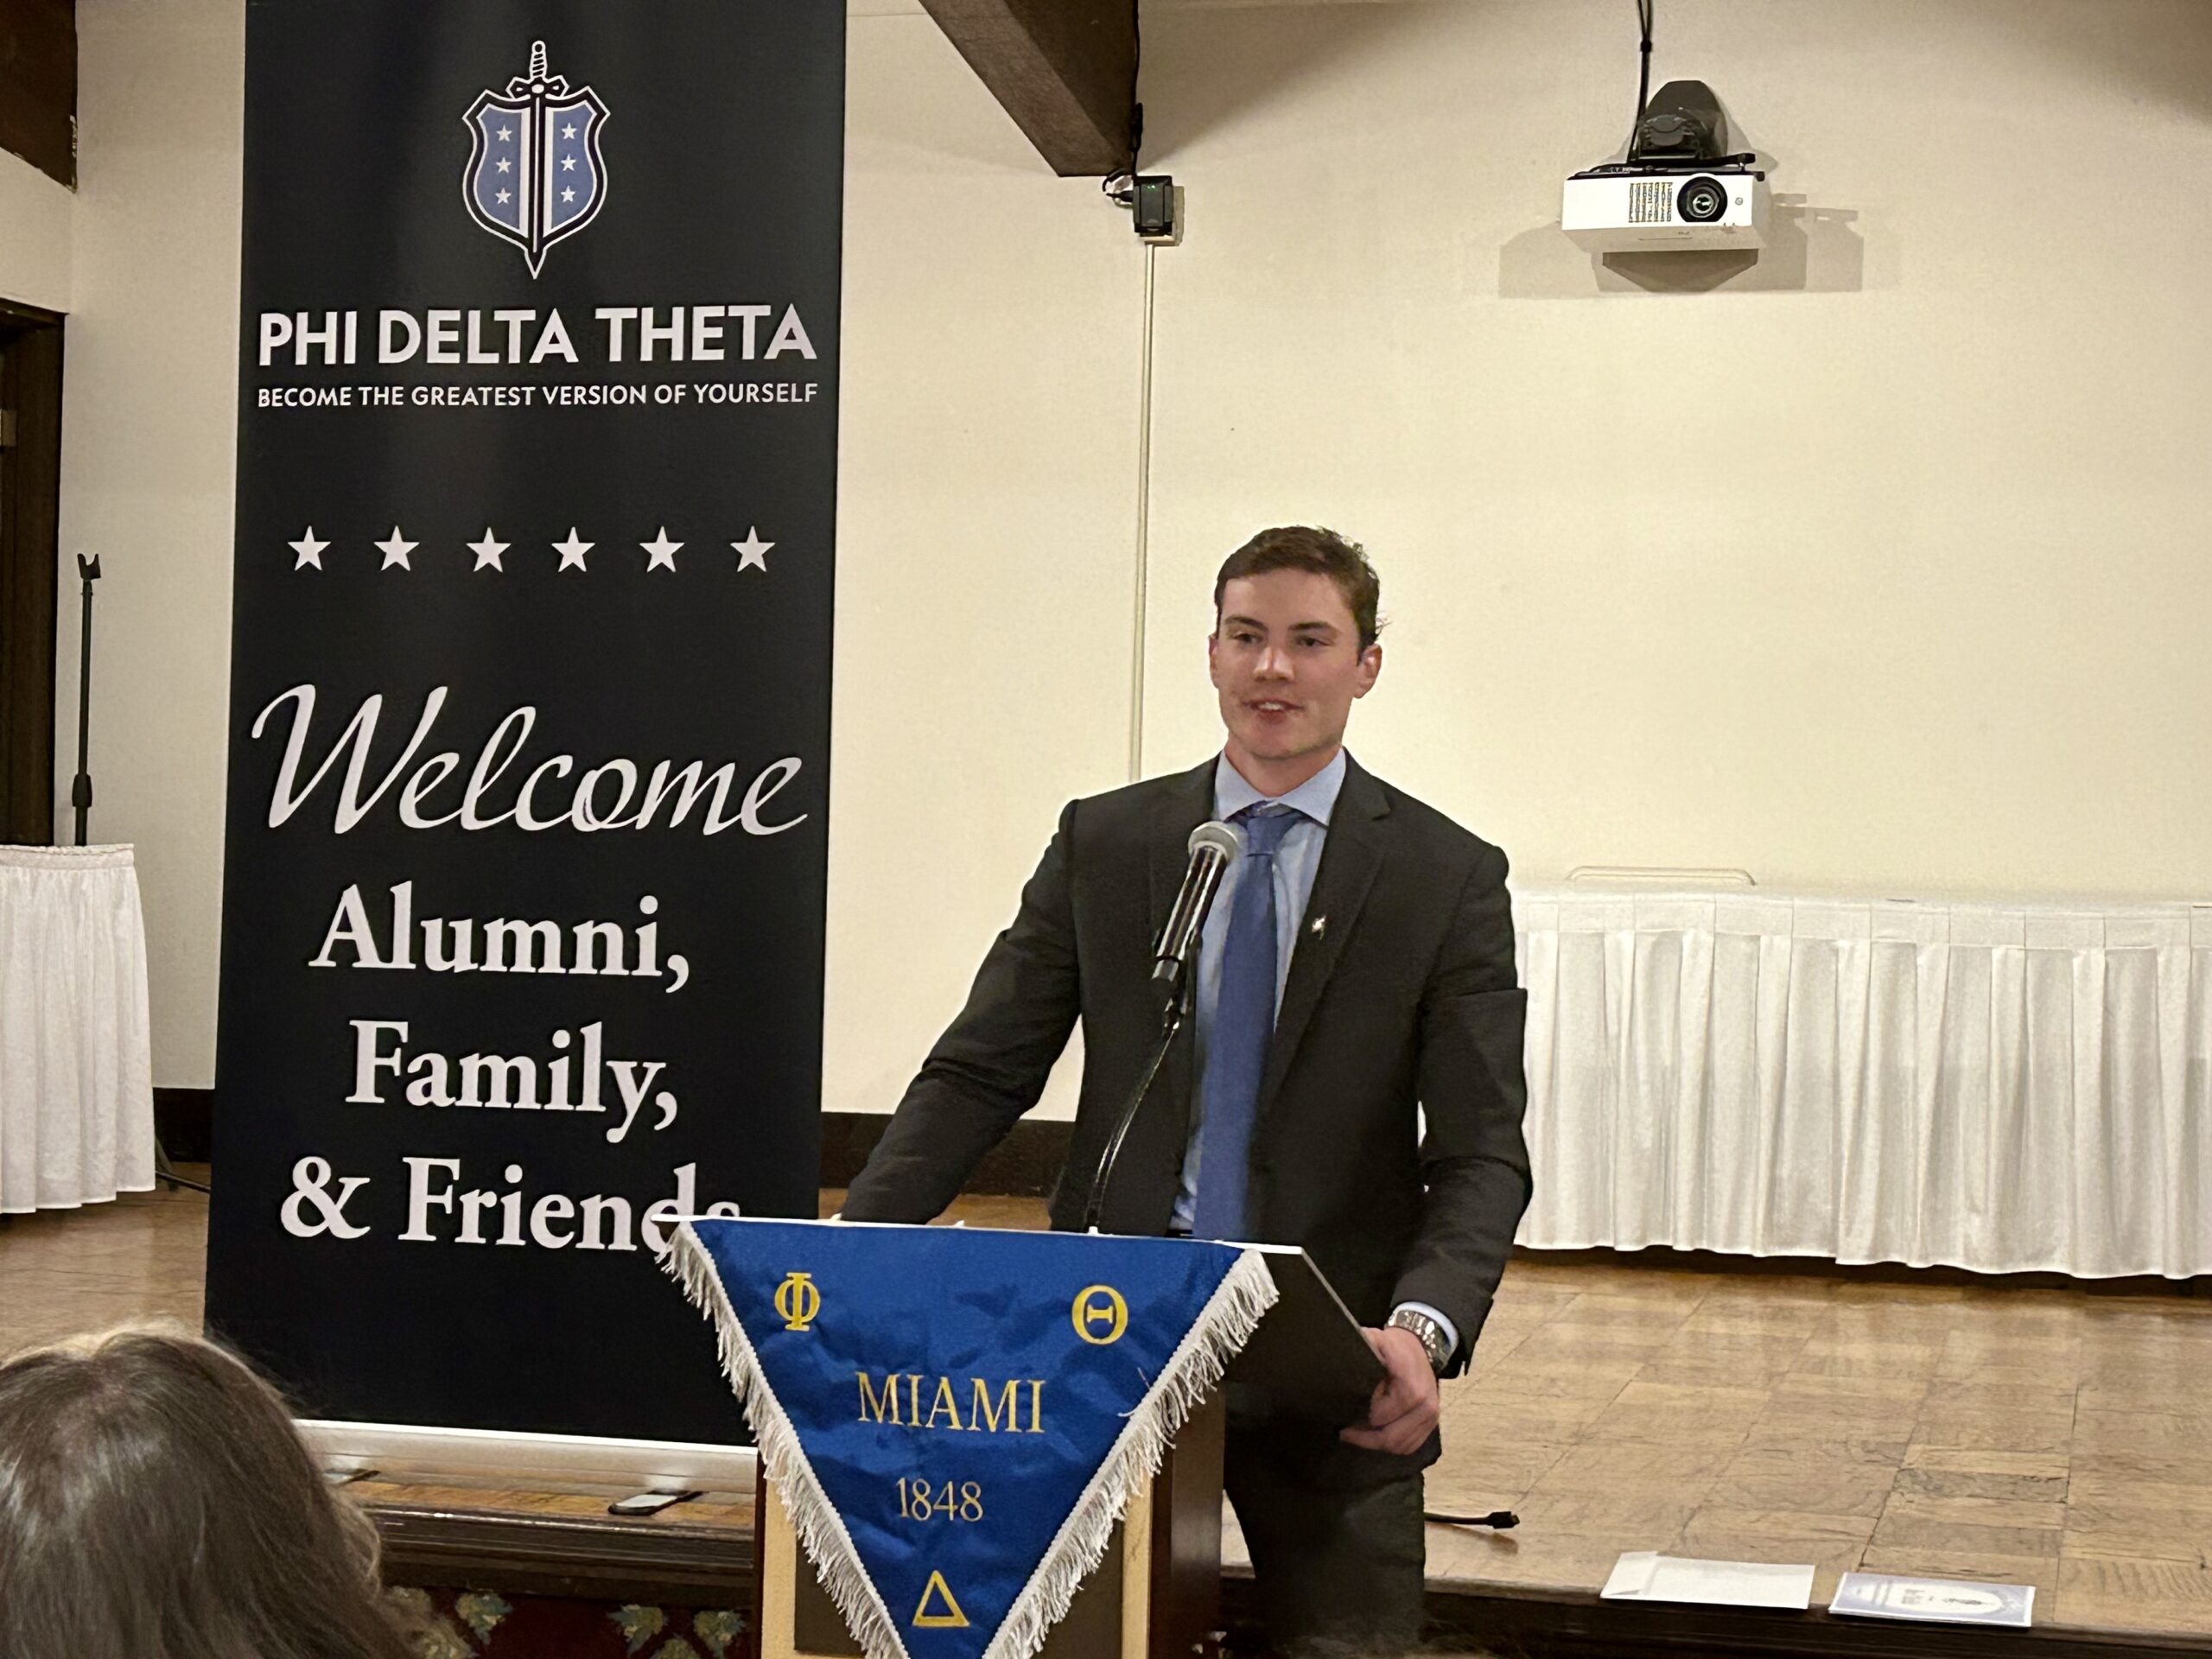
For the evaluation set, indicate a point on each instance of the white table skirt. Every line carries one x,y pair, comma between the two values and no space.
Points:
2004,1088
76,1073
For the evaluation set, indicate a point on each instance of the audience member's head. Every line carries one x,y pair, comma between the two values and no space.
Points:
156,1502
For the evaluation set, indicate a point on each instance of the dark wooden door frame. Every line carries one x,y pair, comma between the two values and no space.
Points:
30,510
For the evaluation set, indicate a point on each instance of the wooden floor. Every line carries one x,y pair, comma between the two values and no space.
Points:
2059,1438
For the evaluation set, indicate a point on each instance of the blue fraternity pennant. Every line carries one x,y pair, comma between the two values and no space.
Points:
954,1417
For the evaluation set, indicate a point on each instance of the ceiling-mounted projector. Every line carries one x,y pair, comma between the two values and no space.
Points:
1637,212
1679,188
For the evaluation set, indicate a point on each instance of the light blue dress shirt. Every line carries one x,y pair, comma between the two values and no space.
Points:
1296,862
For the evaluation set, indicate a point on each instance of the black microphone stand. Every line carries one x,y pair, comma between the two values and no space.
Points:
80,797
1171,1022
80,789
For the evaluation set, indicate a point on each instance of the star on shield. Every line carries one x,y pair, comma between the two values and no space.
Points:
535,172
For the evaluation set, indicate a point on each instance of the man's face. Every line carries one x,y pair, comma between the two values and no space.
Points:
1285,657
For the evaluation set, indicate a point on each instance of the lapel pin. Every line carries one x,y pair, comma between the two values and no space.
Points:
1320,926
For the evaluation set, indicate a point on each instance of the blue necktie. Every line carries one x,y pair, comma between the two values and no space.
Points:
1244,1025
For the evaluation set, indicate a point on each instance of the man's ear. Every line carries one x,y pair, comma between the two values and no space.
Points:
1213,660
1370,669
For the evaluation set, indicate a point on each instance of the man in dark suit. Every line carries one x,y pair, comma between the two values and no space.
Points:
1356,968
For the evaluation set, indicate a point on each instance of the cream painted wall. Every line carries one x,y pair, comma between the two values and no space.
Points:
1921,612
1883,568
986,540
35,215
149,452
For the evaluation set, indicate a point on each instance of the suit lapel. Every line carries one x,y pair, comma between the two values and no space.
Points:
1350,858
1181,807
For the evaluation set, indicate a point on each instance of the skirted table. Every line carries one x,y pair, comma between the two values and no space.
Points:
76,1073
2004,1088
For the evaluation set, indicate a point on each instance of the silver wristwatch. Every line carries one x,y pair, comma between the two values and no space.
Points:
1431,1334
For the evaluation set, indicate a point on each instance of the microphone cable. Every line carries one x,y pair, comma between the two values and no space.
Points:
1501,1520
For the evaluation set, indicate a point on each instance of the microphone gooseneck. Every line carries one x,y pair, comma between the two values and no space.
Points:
1213,845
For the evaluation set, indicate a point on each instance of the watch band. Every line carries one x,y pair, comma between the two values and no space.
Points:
1428,1332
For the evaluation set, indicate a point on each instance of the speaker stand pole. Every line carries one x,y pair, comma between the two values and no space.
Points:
80,798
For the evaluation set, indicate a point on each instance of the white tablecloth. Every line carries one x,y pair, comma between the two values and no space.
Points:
76,1075
2004,1088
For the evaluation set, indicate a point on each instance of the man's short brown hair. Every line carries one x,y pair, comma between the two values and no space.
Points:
1298,547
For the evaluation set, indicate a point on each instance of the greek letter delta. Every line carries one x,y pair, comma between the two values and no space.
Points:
613,795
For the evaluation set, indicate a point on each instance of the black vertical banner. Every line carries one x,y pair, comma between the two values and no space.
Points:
530,710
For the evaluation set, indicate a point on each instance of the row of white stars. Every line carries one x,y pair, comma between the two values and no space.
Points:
505,196
568,162
660,552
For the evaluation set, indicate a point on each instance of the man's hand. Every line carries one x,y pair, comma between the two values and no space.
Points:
1405,1406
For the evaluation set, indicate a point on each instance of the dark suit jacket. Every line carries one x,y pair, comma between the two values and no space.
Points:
1406,997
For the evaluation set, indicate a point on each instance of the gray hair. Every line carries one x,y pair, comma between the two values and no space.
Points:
156,1501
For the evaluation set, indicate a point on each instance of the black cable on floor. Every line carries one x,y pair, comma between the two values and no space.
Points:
1501,1519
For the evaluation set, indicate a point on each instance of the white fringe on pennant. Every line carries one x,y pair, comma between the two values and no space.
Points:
1222,1327
821,1530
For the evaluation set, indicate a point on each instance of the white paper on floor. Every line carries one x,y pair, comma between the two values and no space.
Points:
1644,1575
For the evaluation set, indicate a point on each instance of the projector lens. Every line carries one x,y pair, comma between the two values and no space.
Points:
1701,201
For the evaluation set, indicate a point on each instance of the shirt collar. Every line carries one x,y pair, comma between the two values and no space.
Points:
1316,798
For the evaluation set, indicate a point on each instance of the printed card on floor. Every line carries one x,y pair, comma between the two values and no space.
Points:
1946,1601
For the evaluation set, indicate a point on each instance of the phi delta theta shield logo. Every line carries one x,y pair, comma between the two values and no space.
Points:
535,174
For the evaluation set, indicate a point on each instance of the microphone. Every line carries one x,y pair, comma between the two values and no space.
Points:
1211,845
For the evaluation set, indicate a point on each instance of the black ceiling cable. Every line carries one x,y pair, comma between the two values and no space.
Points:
1644,76
1630,162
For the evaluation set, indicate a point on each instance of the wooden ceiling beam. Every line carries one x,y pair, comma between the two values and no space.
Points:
1066,70
38,85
